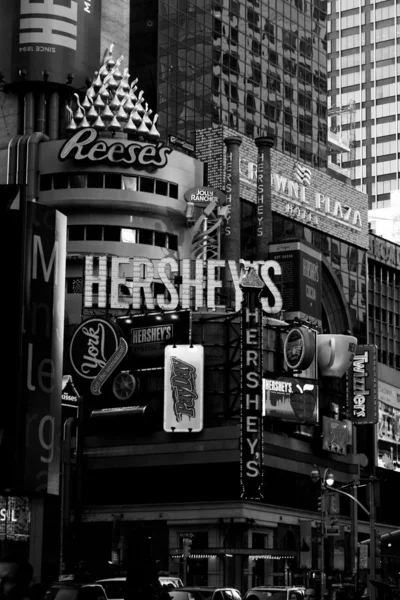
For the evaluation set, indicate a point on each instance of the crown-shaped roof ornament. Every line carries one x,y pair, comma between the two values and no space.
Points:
111,103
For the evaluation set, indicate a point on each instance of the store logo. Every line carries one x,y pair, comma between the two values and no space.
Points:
84,146
302,174
48,22
93,344
183,385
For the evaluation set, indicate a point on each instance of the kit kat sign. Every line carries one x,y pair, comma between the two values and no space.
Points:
86,145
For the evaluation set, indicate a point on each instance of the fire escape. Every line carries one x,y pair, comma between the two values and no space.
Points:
341,137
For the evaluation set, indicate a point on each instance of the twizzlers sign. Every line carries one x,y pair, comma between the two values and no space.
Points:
363,387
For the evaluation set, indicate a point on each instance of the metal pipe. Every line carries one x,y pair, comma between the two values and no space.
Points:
65,493
29,113
54,110
41,113
264,200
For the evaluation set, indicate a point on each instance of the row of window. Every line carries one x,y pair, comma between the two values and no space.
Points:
114,181
113,233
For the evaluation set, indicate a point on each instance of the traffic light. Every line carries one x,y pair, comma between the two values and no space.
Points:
187,543
321,504
333,503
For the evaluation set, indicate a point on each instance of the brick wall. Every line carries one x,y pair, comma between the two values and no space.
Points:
346,215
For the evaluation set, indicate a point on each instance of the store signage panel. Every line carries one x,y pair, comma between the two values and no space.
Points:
251,417
384,251
42,351
300,280
96,349
184,388
15,517
301,200
88,145
291,399
336,435
363,387
388,429
201,196
197,290
148,335
299,348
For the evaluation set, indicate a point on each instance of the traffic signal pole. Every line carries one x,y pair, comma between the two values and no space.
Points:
323,515
372,542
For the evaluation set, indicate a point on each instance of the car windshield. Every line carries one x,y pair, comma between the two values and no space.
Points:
57,593
190,595
114,589
266,595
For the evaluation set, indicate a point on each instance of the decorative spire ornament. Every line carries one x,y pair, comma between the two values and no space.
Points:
111,104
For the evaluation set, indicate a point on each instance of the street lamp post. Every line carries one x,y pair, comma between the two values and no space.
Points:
326,481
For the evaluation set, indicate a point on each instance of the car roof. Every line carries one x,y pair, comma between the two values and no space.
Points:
190,588
111,579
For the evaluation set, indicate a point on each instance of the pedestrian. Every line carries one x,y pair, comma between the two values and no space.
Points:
310,594
15,578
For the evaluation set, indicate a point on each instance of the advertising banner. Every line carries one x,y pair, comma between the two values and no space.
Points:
15,517
291,399
300,281
336,435
43,346
388,430
50,40
96,349
362,399
305,544
251,417
148,335
184,388
187,283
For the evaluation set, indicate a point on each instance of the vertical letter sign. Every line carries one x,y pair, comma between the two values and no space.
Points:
251,438
183,388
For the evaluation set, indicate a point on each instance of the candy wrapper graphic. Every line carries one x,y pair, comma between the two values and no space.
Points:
303,402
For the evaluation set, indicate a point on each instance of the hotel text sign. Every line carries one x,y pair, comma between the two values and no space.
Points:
307,207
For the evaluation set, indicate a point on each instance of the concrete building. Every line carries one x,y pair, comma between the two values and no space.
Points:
362,59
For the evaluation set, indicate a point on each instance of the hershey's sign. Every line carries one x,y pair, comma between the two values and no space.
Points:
199,282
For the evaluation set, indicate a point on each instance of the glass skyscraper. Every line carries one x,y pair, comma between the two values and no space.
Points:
256,66
362,66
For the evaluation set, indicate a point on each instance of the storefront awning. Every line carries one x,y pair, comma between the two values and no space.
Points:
252,553
121,412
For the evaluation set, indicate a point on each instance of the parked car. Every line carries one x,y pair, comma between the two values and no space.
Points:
169,580
115,586
204,593
70,589
275,592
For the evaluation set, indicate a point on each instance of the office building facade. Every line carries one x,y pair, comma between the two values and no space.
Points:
256,67
362,68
